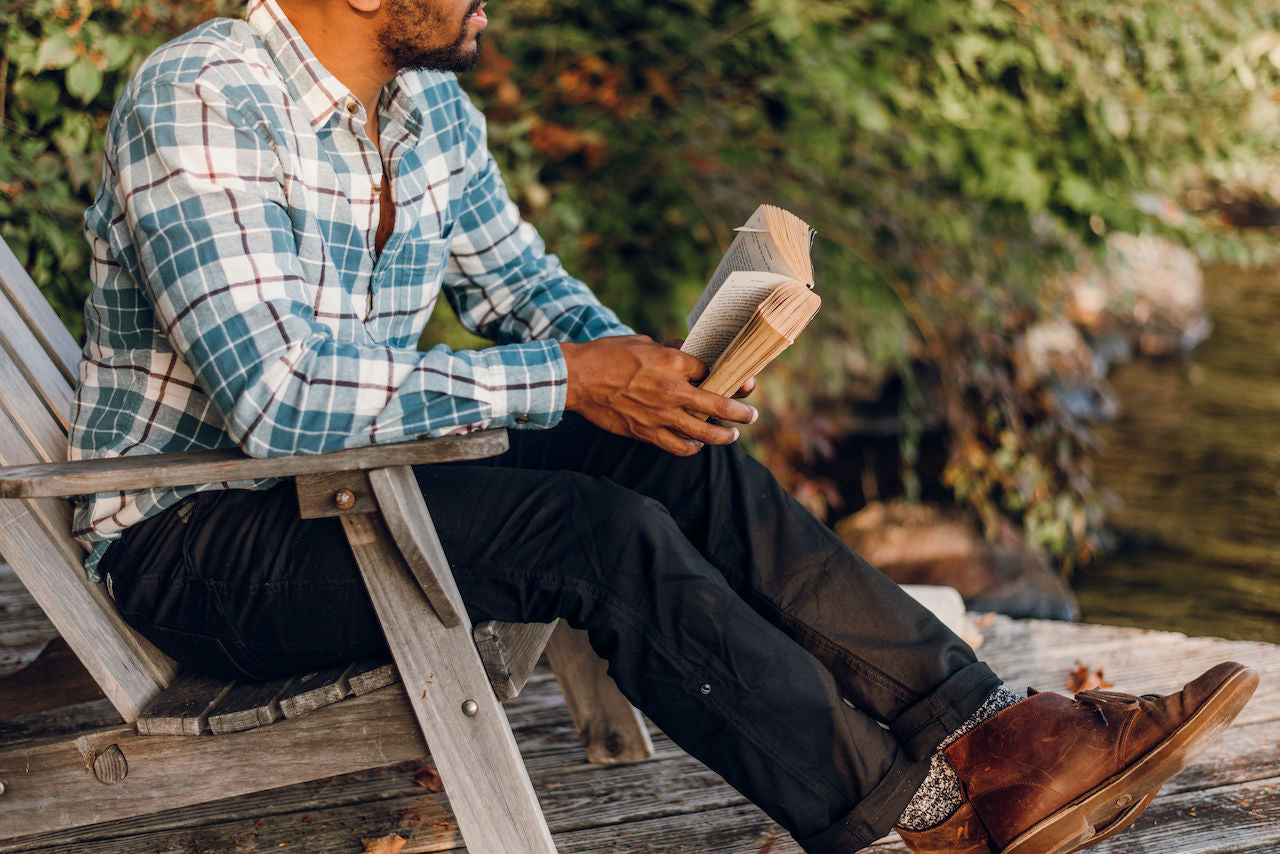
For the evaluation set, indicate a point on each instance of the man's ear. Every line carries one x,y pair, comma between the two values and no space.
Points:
365,7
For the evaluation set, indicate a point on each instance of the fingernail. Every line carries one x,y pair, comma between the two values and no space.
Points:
735,434
755,413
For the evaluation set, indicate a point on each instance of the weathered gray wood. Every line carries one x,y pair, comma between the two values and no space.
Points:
248,705
312,691
46,787
84,477
35,539
370,675
38,315
42,375
33,434
110,766
610,728
183,708
24,629
318,494
509,652
407,519
673,800
476,753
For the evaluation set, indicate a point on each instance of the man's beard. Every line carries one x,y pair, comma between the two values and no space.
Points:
408,19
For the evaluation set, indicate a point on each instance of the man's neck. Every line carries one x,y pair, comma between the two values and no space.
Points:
345,41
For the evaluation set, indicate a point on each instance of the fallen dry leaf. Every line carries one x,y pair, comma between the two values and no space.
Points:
389,844
1083,679
429,779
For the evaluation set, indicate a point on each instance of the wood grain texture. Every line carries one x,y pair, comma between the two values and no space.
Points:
370,675
610,728
35,539
36,313
35,435
317,494
22,348
47,787
476,755
248,705
406,517
673,803
183,708
83,477
311,691
24,629
509,652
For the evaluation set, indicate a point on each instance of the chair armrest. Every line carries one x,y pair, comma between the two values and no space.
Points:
191,468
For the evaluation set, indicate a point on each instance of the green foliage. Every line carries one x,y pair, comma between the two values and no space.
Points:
64,63
952,156
950,153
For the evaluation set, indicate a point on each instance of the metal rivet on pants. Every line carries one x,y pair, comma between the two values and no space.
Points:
706,688
470,708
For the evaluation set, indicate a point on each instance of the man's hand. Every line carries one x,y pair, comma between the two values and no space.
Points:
747,387
633,386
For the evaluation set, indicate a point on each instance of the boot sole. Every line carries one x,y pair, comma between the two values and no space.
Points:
1116,803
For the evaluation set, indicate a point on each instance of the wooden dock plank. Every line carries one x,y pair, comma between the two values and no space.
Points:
1228,801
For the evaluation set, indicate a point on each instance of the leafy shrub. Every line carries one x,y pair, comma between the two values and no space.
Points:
951,154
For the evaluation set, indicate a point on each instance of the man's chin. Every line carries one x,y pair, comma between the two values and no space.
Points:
461,56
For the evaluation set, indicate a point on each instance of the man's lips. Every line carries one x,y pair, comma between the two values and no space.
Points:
478,17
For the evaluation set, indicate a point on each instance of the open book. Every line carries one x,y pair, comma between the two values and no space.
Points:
757,302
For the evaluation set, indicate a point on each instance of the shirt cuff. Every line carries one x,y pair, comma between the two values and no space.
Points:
530,381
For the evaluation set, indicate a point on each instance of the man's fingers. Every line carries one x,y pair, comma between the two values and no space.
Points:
703,431
722,408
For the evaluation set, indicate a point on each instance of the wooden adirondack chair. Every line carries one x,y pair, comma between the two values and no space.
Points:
449,696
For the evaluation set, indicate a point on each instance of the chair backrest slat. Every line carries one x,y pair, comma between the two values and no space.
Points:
35,399
35,535
36,388
37,315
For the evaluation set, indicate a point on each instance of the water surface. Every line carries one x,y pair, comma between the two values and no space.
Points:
1194,462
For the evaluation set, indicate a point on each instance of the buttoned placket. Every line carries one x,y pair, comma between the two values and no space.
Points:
356,122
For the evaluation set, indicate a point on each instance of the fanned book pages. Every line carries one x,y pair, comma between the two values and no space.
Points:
758,301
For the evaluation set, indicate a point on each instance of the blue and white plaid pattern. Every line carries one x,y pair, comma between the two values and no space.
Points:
238,298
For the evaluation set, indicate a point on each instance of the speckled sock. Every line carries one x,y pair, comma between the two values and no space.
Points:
939,796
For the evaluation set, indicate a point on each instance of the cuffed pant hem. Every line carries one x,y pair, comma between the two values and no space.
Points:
922,727
875,815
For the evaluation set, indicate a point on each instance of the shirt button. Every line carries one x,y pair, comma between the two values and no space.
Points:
353,107
377,188
522,419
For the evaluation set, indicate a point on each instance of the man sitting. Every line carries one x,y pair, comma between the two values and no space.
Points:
284,198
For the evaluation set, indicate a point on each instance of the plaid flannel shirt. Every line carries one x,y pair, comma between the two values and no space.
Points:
238,299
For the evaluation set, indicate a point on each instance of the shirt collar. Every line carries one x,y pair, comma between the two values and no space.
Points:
319,92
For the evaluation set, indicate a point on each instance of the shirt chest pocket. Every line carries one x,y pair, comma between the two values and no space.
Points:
405,291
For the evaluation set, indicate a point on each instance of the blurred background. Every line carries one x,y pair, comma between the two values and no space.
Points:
1045,368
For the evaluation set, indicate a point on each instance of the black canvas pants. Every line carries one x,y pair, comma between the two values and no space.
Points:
728,614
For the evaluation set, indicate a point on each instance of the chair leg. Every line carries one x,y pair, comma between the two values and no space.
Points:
465,726
610,727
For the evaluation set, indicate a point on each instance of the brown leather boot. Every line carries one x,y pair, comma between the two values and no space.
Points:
1052,775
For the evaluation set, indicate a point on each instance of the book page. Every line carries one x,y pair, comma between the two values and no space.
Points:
754,247
728,310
